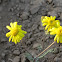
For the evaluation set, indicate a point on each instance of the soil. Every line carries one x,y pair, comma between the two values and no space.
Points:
28,14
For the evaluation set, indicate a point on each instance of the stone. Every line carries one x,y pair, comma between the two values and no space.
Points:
29,30
3,60
38,18
3,39
0,17
16,59
60,49
25,15
6,0
57,2
18,8
23,58
33,52
11,20
41,28
30,35
16,52
61,16
3,55
59,55
22,6
50,1
18,14
53,13
57,59
25,1
37,2
44,60
34,9
1,8
35,45
9,60
56,50
0,1
36,31
0,29
58,10
37,34
27,8
11,9
34,27
30,41
17,1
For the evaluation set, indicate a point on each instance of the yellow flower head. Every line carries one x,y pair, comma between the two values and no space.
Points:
58,33
16,33
49,22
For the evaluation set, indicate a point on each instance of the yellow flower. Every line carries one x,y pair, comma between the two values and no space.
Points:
58,33
16,33
49,22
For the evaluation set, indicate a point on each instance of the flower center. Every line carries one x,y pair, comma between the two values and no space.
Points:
51,22
14,31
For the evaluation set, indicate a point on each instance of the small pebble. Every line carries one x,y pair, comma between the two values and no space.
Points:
16,52
56,50
49,1
16,59
3,55
3,40
3,60
56,59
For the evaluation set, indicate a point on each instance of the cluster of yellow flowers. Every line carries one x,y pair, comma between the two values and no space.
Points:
16,33
53,27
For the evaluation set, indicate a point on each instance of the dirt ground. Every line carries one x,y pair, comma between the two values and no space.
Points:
28,14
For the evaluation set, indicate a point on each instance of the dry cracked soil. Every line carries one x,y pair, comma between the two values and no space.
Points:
28,14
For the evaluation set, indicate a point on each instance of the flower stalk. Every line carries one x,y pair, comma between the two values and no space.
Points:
45,49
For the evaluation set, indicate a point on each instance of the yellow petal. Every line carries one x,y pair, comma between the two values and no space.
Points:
60,37
52,33
45,21
8,34
19,26
15,24
49,28
60,41
18,39
21,35
58,23
57,39
10,38
54,17
53,29
44,24
46,27
8,27
13,39
15,42
24,32
12,25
